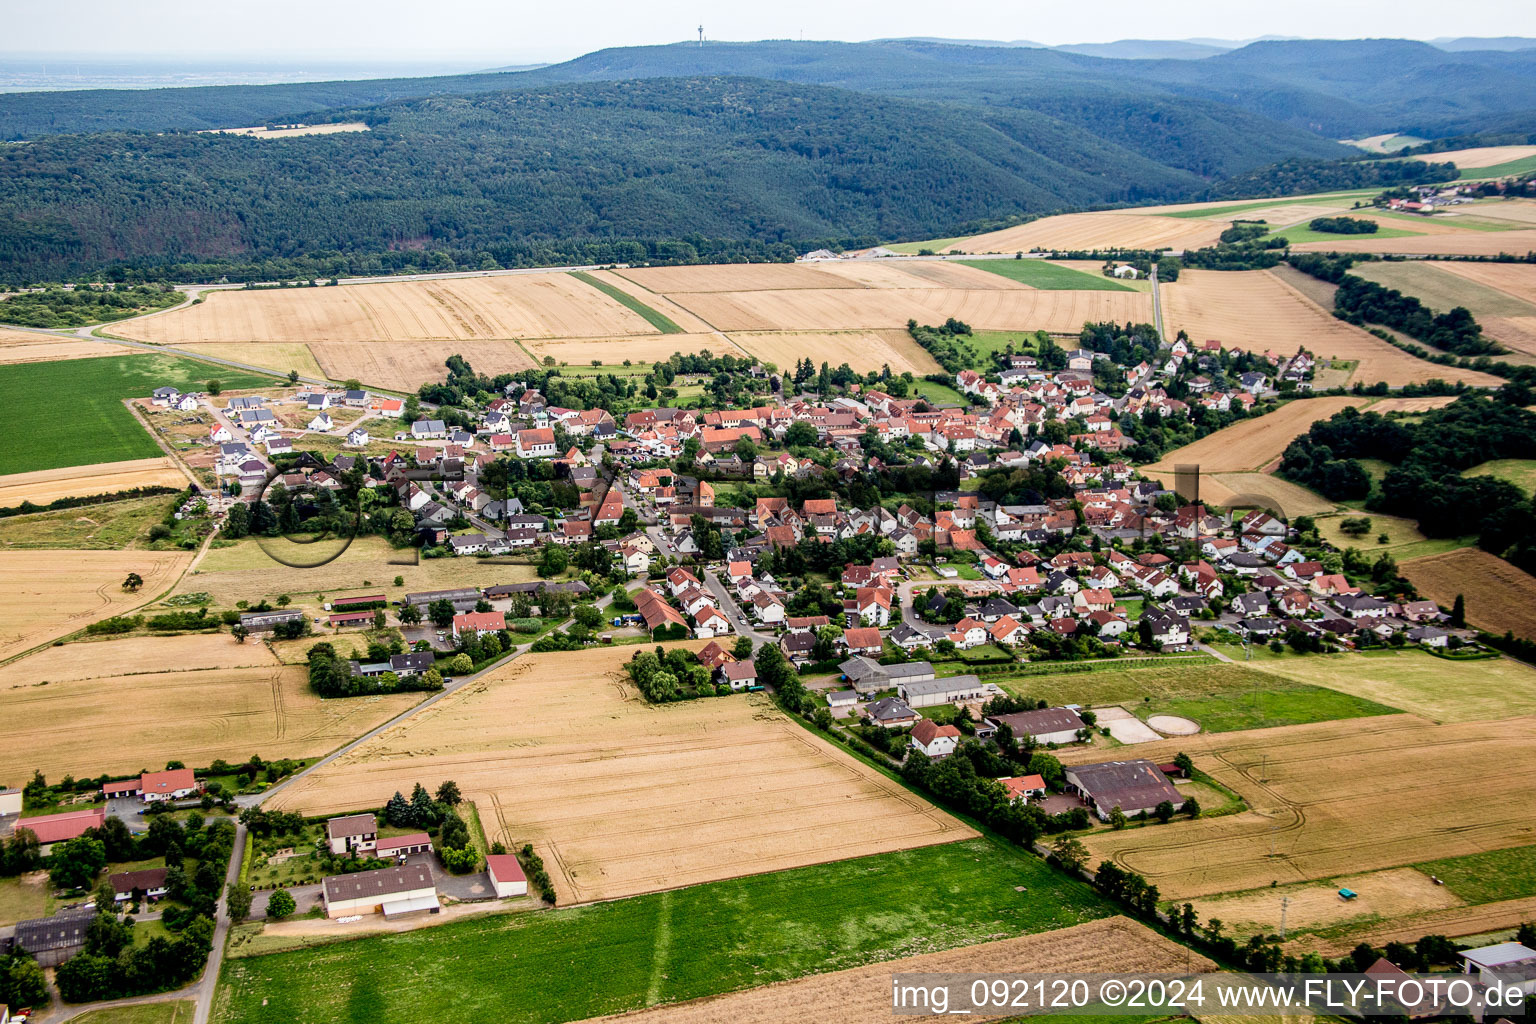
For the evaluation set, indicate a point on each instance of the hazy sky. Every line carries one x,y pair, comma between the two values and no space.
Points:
511,31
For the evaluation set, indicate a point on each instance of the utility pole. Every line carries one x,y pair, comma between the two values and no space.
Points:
1285,901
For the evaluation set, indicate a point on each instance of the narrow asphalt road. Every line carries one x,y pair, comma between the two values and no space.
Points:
1157,304
732,610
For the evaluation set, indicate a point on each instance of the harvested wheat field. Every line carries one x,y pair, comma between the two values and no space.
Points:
277,356
689,323
45,485
545,305
735,277
621,797
30,347
862,350
137,655
263,132
1499,597
406,365
1259,311
1265,490
46,594
1009,309
1481,156
1478,919
81,727
862,995
1514,211
1460,241
1109,230
920,273
1335,798
1252,444
1384,895
1423,403
653,348
1516,333
247,572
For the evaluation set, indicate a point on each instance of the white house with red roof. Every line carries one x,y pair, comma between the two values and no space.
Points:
172,784
478,622
507,876
935,740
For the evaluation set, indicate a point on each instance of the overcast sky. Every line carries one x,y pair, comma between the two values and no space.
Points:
513,31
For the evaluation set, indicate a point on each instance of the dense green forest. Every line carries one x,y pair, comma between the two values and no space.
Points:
1428,457
1301,177
723,158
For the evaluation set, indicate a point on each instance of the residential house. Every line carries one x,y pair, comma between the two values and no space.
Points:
935,740
352,834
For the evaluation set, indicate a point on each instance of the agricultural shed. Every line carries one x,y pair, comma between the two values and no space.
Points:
1133,786
393,891
507,876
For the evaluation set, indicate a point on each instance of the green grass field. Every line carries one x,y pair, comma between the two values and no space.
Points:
1128,683
1442,290
1301,233
115,525
171,1011
939,392
1524,166
1520,472
571,964
652,317
1048,276
1488,877
1266,708
71,413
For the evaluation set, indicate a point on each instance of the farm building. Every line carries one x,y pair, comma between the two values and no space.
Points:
52,940
463,599
10,802
1503,961
148,883
58,828
891,713
868,675
1049,725
935,740
924,693
174,784
507,876
340,619
403,846
407,889
1133,786
263,622
1022,787
354,833
478,622
842,699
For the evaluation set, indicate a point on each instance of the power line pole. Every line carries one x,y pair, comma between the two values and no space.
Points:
1285,902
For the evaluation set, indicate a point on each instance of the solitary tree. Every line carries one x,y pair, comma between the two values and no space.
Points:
215,386
280,904
448,793
293,376
237,899
133,582
1459,612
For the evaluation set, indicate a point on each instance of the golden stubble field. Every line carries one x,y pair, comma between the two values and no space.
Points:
862,995
621,797
1107,230
125,705
862,350
1337,798
46,485
47,594
1258,311
28,347
1252,444
546,305
1499,596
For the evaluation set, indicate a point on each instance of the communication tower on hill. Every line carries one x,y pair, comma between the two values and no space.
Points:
701,35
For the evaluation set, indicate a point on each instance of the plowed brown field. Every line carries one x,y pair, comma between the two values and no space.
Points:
1335,798
862,995
622,797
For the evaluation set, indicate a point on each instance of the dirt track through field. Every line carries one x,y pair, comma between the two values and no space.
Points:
1311,816
862,995
621,797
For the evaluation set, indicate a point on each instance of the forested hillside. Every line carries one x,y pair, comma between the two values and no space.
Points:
1315,88
655,159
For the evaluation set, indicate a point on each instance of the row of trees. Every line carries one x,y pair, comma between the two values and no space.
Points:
332,676
438,815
